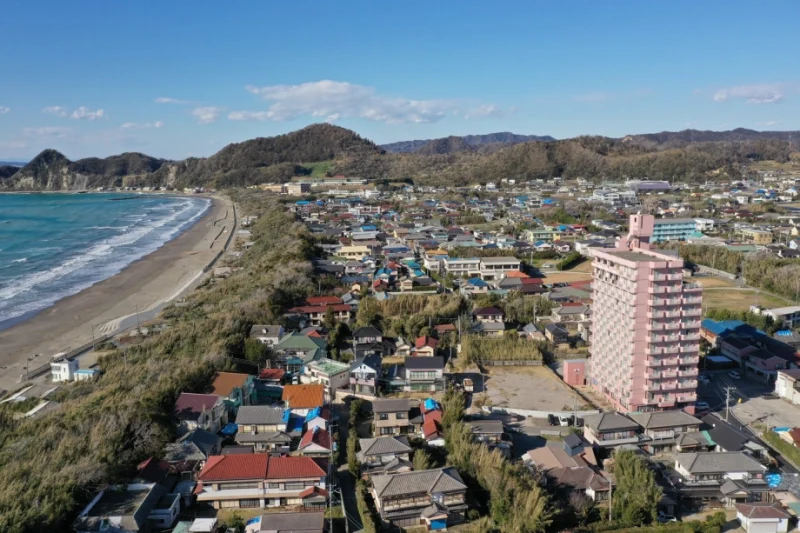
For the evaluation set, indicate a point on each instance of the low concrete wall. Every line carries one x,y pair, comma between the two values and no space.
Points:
537,414
721,273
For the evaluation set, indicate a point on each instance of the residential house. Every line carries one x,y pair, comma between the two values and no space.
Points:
333,375
63,369
787,386
583,480
385,455
610,429
729,477
188,454
316,442
491,433
367,335
264,428
556,334
356,252
763,517
495,268
205,411
488,314
134,508
431,430
572,452
462,267
391,417
315,314
474,286
258,480
235,389
571,313
433,498
319,417
670,430
724,437
267,334
365,374
302,522
295,349
271,376
418,374
425,347
300,399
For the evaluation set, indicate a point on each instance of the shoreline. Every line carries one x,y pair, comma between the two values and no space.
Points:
140,290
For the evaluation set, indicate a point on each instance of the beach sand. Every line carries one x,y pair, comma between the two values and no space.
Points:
146,285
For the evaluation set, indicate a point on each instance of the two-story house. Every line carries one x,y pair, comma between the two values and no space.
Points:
134,508
364,375
391,416
729,477
425,346
610,429
418,374
571,313
433,498
206,411
258,481
300,399
367,335
267,334
670,430
315,314
490,433
188,454
235,389
332,375
488,314
316,442
296,349
787,385
264,428
385,455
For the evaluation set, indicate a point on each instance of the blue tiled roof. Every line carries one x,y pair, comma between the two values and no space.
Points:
726,327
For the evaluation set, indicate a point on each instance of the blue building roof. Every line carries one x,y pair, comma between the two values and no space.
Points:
722,328
302,202
312,414
477,282
230,429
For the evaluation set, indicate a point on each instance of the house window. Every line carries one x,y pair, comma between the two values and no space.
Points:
274,485
231,486
401,416
249,503
384,416
296,486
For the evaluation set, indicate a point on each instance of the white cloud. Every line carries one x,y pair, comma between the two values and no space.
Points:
140,126
763,93
47,132
4,109
166,100
485,110
333,100
56,110
770,123
207,114
84,113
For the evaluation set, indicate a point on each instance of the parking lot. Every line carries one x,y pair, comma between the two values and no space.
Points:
748,403
531,387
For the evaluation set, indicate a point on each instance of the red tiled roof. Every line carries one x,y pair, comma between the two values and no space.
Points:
444,327
532,281
308,309
236,466
432,424
572,304
293,467
516,274
323,300
487,311
189,406
422,342
152,470
225,382
317,436
272,373
304,396
313,490
314,333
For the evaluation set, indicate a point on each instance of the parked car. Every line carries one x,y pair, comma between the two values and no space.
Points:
733,374
664,518
552,420
703,379
701,406
564,421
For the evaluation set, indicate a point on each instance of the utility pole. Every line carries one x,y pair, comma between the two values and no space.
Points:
728,401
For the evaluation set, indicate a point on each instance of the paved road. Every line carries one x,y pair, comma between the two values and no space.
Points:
347,485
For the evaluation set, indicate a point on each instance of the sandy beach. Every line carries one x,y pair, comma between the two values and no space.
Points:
146,285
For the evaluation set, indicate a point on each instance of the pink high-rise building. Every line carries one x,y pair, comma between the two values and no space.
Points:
645,336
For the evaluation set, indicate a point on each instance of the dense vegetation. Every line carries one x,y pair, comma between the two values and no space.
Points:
59,460
412,315
510,347
470,141
445,162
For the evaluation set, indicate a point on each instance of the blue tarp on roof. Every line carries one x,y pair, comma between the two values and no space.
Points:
312,414
229,429
302,202
418,273
547,201
286,415
295,424
431,404
368,227
477,282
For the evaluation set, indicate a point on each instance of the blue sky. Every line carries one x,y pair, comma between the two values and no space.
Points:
174,79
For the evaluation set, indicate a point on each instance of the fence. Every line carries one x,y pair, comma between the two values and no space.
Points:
537,414
511,362
38,371
721,273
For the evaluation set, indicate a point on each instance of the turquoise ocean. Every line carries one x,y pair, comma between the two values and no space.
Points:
55,245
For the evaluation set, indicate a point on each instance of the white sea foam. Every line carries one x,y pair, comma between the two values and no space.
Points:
40,290
21,260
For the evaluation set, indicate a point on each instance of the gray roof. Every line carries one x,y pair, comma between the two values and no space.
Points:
391,405
664,419
424,363
271,436
260,330
718,462
384,445
427,481
609,422
293,522
259,414
196,445
486,426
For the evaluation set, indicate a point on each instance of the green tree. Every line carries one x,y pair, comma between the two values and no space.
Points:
329,321
353,464
255,350
636,493
453,405
422,460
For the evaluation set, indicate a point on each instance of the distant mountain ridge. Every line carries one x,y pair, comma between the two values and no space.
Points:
13,163
451,161
504,137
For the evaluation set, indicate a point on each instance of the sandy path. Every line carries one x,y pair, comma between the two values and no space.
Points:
145,285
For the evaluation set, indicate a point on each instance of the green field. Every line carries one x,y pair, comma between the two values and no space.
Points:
319,169
740,299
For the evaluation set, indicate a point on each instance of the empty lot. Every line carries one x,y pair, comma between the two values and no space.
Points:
530,387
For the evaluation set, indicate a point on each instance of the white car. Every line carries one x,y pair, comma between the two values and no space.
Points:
733,374
564,420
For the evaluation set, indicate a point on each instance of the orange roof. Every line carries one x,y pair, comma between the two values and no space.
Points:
272,373
426,341
244,466
316,436
323,300
304,396
293,467
516,274
225,382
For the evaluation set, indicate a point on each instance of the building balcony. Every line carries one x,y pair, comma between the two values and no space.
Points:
690,361
692,300
665,338
687,385
687,397
665,277
691,337
663,314
692,287
663,374
664,289
663,362
689,373
693,311
661,302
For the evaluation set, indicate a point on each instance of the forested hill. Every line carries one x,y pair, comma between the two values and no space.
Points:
452,161
465,143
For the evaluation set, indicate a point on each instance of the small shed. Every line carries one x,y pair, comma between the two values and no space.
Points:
575,372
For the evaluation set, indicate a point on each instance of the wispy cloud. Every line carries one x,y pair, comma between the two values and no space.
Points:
333,100
484,111
769,123
142,125
84,113
47,132
761,93
207,114
167,100
56,110
4,109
